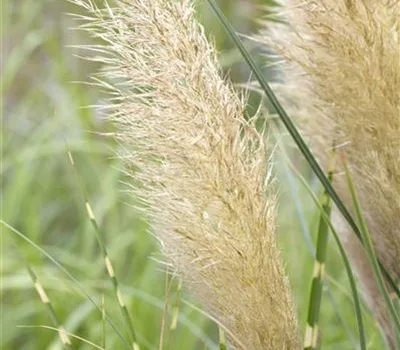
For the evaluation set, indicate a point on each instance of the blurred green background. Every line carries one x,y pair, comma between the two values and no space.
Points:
42,106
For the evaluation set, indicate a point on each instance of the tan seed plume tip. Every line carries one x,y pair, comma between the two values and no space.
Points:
201,168
342,83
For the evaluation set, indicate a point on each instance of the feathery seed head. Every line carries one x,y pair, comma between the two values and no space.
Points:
342,83
344,59
202,167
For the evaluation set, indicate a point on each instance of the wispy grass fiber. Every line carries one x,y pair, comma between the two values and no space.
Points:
201,169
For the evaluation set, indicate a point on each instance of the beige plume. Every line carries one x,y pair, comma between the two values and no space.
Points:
199,166
342,82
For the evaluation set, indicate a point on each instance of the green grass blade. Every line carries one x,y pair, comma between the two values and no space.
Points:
231,335
175,309
168,284
222,339
70,276
311,338
390,280
44,298
304,229
103,323
290,125
370,249
107,260
349,272
67,334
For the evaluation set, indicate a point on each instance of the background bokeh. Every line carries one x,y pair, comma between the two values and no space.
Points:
44,108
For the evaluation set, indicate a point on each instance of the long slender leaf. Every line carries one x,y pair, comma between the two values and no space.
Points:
70,276
67,334
299,210
222,340
370,249
356,299
353,286
318,271
44,298
107,260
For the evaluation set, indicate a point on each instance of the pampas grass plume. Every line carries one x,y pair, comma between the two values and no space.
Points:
199,166
342,82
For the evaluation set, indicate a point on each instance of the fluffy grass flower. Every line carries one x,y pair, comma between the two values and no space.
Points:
342,82
200,168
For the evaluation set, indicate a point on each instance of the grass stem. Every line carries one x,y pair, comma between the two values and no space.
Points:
311,337
346,262
107,261
370,250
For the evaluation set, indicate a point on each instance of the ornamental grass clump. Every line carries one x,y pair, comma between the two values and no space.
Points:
341,81
198,165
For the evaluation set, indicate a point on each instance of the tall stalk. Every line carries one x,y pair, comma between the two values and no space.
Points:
107,261
311,336
371,253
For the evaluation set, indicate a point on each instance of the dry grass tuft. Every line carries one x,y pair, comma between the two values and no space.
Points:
199,166
342,80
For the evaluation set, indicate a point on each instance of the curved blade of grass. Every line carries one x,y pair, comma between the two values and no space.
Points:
370,249
44,298
288,163
175,313
295,196
168,284
305,231
292,129
311,338
349,272
67,334
175,310
353,286
107,261
222,339
103,323
212,318
70,276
